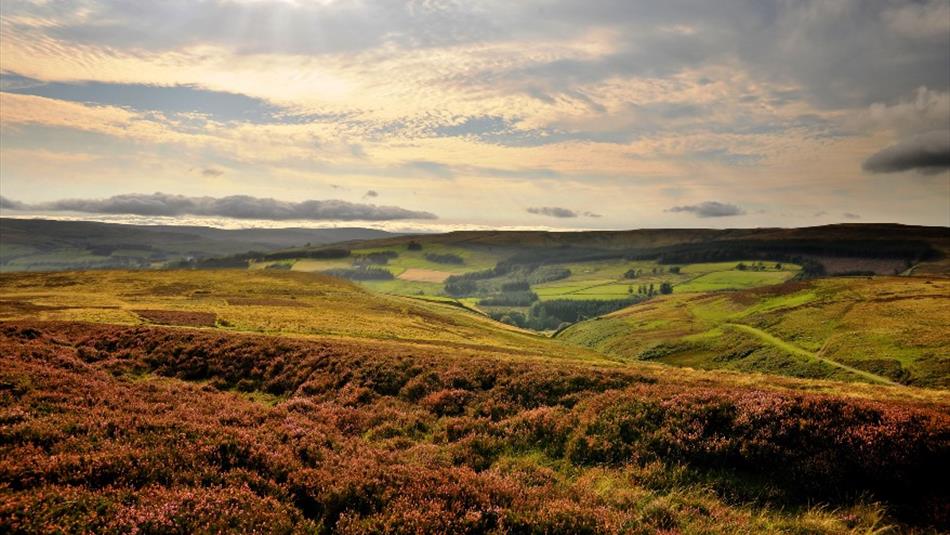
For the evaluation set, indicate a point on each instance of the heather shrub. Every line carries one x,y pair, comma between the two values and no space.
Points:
102,429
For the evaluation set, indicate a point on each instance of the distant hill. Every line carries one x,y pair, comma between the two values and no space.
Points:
46,245
881,248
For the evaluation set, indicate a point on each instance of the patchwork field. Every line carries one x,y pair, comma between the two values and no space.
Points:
885,329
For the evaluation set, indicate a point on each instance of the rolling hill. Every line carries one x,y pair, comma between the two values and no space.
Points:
879,329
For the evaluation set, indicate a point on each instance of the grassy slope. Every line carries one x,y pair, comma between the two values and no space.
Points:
273,302
890,327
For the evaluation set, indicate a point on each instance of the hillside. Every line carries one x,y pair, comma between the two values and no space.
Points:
887,329
46,245
147,428
272,302
864,240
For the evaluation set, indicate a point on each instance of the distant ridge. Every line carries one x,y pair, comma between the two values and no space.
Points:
44,244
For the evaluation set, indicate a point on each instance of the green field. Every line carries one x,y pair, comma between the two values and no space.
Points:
816,329
605,279
599,280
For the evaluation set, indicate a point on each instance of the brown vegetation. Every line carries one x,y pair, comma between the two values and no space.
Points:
411,440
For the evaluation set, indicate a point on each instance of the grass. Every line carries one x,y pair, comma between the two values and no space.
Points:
849,328
733,279
795,350
605,279
328,307
601,280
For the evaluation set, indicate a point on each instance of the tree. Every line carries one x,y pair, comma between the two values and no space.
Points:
740,266
414,246
666,288
630,274
674,269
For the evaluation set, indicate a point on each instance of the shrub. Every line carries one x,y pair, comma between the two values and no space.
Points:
516,286
444,258
363,273
510,299
375,437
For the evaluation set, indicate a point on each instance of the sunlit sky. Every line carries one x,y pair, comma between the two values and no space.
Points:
435,114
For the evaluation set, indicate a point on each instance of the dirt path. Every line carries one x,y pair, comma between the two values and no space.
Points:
795,350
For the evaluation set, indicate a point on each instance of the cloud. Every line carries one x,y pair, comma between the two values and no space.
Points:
429,168
710,209
371,193
10,204
849,215
170,100
552,211
211,172
559,212
235,206
927,153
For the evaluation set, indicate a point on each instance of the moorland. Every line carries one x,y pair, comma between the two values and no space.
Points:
694,381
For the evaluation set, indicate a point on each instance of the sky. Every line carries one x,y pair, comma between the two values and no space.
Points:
443,114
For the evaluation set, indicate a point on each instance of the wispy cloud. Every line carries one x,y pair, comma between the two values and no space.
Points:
560,212
709,209
235,206
552,211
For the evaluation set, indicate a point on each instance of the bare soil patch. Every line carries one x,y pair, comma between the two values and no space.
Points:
424,275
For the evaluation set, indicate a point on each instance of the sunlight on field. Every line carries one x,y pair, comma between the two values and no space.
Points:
244,301
856,321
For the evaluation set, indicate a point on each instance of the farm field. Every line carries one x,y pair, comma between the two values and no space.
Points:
857,322
605,280
415,275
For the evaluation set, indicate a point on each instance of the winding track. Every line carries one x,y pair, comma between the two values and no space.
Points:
795,350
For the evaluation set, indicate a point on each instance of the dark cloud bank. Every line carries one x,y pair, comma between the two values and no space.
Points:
235,206
710,209
557,211
927,153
